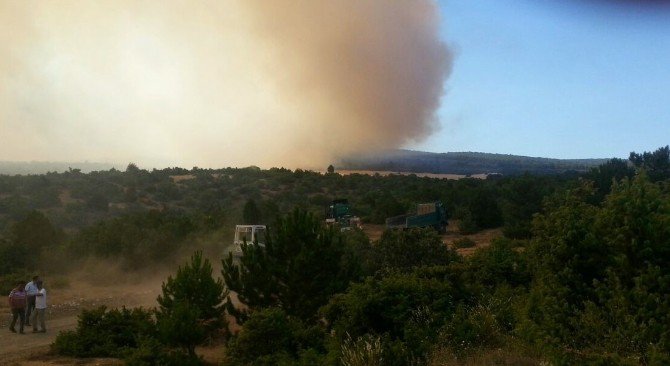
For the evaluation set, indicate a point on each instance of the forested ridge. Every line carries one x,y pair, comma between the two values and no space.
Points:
391,160
467,163
581,274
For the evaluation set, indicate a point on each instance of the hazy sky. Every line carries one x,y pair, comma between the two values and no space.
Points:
298,82
564,79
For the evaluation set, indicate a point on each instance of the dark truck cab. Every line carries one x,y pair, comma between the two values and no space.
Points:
339,212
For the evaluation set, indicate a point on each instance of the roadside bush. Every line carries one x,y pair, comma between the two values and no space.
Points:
182,329
151,352
405,309
271,337
499,263
105,333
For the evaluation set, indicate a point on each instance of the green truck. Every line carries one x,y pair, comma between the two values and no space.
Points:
431,214
339,212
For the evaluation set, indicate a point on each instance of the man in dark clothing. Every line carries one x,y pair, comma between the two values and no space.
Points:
17,302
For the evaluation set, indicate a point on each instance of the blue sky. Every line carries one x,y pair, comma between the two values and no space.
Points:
561,79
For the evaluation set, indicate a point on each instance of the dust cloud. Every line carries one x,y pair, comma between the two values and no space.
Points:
292,83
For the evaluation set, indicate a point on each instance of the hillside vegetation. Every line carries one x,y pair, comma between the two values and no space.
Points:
468,163
581,276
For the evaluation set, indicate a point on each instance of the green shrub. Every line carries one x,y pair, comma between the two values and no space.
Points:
405,309
151,352
105,333
271,337
499,263
194,290
182,327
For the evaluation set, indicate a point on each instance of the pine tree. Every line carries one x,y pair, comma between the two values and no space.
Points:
194,291
301,265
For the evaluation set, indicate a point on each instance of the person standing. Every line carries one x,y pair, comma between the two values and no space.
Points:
31,290
40,308
17,302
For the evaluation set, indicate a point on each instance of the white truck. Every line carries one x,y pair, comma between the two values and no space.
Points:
248,234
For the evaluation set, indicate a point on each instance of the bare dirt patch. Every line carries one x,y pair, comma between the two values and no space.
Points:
481,239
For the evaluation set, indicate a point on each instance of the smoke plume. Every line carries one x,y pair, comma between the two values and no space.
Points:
293,83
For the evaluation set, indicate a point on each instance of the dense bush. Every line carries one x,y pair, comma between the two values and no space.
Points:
150,236
405,309
271,337
106,333
601,274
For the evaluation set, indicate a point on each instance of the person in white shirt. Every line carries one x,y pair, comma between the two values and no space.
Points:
31,290
40,308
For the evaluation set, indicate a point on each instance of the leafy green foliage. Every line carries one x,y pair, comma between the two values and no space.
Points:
182,326
139,238
191,300
656,164
601,273
105,333
405,309
28,237
613,171
272,337
498,264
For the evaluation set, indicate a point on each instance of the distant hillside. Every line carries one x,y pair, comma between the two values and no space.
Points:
464,163
42,167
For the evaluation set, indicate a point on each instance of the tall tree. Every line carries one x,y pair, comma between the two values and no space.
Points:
300,266
656,164
34,233
193,293
251,214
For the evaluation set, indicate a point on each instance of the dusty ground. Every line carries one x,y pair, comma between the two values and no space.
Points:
63,307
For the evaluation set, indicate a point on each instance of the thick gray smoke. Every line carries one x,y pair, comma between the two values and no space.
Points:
295,83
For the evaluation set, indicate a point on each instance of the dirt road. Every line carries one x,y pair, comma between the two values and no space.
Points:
63,307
